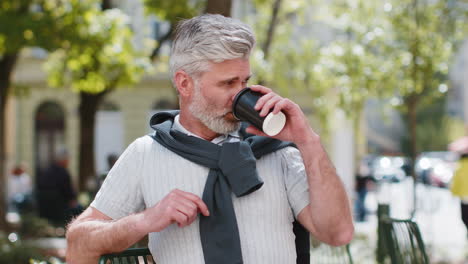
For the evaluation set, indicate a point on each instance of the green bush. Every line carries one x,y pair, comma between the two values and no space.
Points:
16,252
34,226
20,252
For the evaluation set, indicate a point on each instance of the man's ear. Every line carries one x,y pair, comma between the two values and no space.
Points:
184,83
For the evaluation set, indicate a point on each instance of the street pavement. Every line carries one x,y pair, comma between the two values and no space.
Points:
437,214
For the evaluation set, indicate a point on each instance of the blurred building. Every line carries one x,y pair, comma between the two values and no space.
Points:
46,119
41,120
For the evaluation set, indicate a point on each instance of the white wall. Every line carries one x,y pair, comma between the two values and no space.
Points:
109,136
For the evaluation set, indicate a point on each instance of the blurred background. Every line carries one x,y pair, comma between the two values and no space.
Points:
385,83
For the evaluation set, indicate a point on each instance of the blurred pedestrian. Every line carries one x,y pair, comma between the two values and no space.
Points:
363,180
55,194
459,186
19,189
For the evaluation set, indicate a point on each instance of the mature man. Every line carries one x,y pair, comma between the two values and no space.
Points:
205,189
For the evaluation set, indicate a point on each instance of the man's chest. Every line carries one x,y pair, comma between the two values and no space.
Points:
166,171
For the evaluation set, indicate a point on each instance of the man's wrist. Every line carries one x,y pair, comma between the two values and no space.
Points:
308,138
140,224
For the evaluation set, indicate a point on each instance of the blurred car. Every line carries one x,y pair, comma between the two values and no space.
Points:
391,168
436,167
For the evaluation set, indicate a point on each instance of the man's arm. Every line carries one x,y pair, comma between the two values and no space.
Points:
93,233
328,216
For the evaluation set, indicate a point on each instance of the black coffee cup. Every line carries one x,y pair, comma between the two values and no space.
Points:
243,109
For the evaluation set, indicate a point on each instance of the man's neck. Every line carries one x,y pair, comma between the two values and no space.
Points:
195,126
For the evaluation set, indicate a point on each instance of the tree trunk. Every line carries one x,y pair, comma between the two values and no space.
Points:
271,29
222,7
89,104
412,103
161,40
106,4
270,33
7,64
412,108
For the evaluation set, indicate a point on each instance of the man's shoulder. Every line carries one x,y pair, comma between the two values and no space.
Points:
144,144
287,151
287,156
143,140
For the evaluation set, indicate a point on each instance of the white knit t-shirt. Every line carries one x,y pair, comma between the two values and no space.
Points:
146,172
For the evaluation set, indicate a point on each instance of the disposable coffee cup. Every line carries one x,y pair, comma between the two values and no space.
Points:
243,109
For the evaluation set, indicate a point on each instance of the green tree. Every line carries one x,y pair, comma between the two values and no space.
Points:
288,59
172,12
408,42
176,10
105,60
405,42
48,24
423,43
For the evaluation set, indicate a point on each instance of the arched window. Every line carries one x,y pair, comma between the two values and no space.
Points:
49,133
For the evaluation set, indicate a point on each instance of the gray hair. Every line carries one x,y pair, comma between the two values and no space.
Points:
208,38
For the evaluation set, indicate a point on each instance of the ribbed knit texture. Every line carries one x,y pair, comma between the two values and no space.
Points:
146,172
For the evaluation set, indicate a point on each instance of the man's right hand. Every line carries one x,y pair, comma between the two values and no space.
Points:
89,234
176,207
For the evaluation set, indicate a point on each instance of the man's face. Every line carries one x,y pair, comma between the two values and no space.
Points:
214,92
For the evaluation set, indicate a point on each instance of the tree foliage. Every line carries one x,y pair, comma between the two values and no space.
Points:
408,46
102,59
405,49
106,57
39,23
172,12
175,10
48,24
292,64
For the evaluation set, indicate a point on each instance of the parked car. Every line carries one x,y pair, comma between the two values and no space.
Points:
436,167
391,168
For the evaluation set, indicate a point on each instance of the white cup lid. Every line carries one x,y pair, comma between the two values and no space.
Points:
273,124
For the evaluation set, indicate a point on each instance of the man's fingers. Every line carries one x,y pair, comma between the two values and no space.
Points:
270,104
186,208
264,99
282,104
197,200
260,89
180,218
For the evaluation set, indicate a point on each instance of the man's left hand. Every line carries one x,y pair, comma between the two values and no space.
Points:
296,130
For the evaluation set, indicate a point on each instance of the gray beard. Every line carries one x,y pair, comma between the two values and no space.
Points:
216,123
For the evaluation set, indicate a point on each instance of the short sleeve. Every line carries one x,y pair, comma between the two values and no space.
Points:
297,186
120,194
